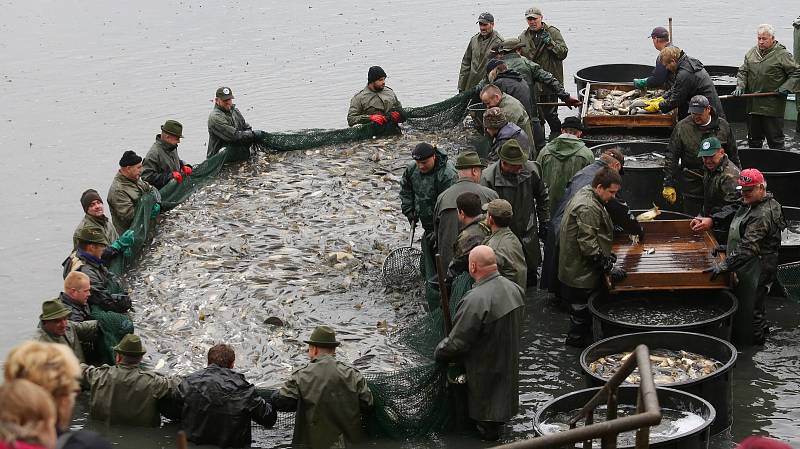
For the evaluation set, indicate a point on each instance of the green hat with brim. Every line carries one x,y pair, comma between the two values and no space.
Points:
469,159
54,310
512,153
499,208
709,147
130,345
324,337
511,44
92,235
173,127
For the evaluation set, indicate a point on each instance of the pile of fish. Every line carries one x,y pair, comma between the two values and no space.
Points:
668,366
658,312
618,102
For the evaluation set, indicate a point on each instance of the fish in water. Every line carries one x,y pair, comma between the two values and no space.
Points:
649,215
618,102
668,366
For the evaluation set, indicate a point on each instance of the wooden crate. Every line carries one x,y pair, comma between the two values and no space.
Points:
677,263
622,121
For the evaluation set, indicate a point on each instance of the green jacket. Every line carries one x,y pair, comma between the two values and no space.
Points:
102,224
160,162
77,335
586,231
367,102
486,338
510,256
560,159
127,395
123,195
515,113
331,396
534,75
551,56
446,214
473,64
229,129
720,197
760,232
766,71
419,191
470,236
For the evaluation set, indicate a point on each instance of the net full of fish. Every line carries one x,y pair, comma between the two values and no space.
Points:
618,102
668,366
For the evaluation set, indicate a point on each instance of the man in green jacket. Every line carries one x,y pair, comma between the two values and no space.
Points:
720,197
506,246
562,158
94,218
473,64
585,255
328,396
375,103
228,128
513,110
767,67
55,328
519,181
487,327
126,190
126,394
162,163
473,231
545,46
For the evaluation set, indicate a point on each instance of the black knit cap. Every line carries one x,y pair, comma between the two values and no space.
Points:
375,73
491,65
129,158
87,197
423,151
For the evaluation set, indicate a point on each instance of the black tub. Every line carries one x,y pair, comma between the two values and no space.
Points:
724,77
667,398
612,73
781,170
790,253
641,186
720,326
714,388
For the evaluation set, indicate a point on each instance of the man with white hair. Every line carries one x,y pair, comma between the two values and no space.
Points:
767,67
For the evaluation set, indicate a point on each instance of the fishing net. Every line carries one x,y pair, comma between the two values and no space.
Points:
112,327
789,277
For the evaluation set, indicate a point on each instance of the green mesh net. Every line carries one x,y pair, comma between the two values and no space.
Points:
789,277
113,326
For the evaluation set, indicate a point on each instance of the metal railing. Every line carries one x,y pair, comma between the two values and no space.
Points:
648,413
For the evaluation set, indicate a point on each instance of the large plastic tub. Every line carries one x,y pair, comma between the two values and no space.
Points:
781,170
641,186
612,73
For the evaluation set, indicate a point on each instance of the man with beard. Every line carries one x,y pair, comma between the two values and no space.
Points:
375,103
473,64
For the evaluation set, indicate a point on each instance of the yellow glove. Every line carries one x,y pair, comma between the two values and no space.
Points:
654,104
670,194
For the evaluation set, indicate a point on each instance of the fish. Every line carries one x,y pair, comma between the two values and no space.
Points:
649,215
619,102
667,366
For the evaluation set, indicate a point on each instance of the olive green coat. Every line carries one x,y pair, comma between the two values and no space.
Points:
102,224
123,196
486,338
126,395
470,236
367,102
534,75
229,129
419,191
766,71
552,56
560,159
760,236
160,162
473,64
720,197
331,397
77,334
515,113
510,256
586,231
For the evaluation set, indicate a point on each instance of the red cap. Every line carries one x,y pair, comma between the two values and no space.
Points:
755,442
750,177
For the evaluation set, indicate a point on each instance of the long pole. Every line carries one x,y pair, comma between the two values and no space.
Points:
445,301
754,94
670,29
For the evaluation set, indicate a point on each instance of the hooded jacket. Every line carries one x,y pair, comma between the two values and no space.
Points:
691,79
560,160
506,133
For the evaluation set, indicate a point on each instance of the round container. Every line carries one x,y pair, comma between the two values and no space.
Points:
696,438
724,77
720,326
781,170
641,186
611,73
714,388
789,253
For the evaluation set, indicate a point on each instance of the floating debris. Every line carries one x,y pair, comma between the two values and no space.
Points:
668,366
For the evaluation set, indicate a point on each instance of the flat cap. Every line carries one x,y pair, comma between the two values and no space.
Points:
499,208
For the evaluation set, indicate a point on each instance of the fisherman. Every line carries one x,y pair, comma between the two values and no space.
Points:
473,230
683,168
661,40
562,158
473,64
720,197
514,111
446,224
218,403
162,163
125,393
127,189
501,131
511,83
519,181
94,217
690,79
768,67
375,103
328,396
545,46
752,253
106,291
75,296
507,248
585,255
54,327
228,128
423,181
486,339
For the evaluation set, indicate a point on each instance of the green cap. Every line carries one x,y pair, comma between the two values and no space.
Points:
511,44
324,337
709,146
469,159
130,345
533,12
499,208
92,235
224,93
54,310
512,153
173,127
494,118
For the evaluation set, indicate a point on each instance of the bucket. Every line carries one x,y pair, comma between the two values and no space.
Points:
714,388
781,170
641,185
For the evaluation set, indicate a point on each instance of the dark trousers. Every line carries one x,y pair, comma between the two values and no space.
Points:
580,319
760,127
489,430
550,115
538,138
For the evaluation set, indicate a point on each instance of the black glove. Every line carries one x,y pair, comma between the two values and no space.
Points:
715,271
259,135
617,274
